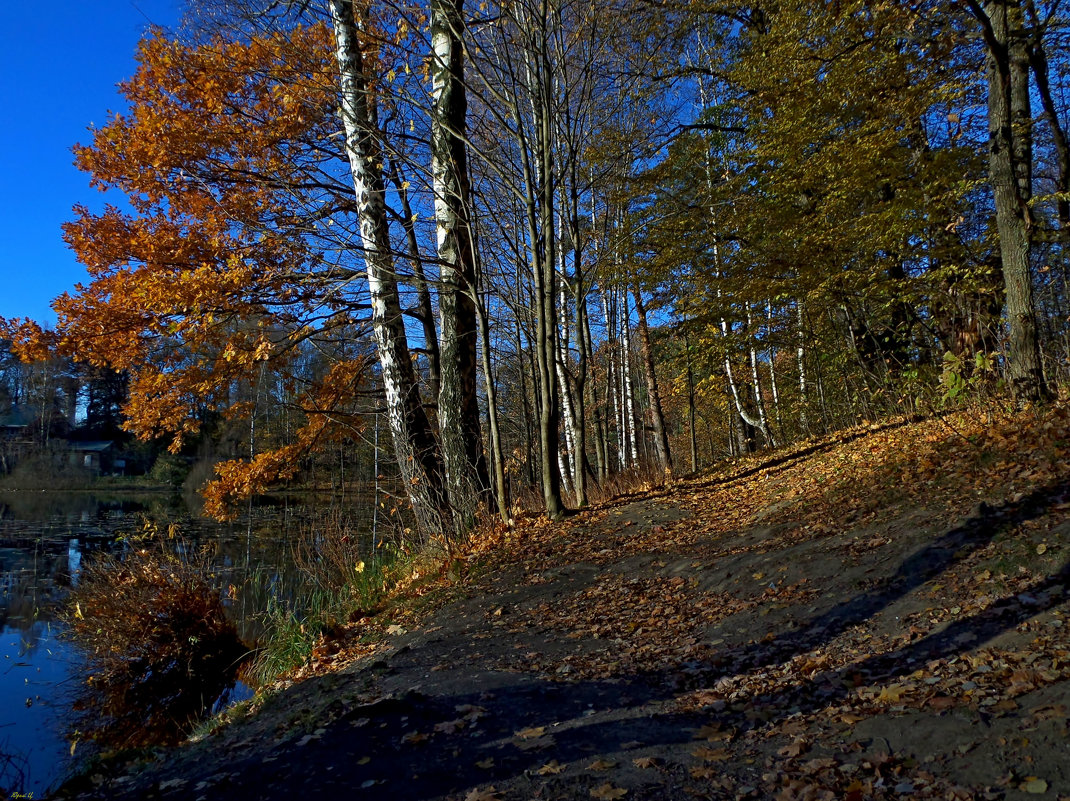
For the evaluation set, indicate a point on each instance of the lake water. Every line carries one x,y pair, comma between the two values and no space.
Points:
44,539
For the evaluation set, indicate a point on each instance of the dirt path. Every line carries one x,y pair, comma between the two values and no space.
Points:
750,635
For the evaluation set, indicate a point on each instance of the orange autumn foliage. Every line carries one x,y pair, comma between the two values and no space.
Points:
234,176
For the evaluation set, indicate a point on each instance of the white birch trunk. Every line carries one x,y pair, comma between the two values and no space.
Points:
756,380
458,407
414,443
800,354
629,391
771,355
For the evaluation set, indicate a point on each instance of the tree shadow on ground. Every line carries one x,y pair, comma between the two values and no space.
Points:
419,745
782,460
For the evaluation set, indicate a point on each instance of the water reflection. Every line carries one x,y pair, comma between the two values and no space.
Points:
45,539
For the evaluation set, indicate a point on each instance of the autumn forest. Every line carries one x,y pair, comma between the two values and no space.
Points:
522,248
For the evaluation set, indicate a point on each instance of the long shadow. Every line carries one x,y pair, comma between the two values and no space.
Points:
390,750
924,564
414,747
785,459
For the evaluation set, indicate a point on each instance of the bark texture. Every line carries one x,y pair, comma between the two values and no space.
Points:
458,408
657,417
1010,173
414,442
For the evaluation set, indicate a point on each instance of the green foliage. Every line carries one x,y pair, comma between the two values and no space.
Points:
170,469
961,378
343,582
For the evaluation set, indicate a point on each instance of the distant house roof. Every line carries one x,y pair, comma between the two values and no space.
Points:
16,417
90,447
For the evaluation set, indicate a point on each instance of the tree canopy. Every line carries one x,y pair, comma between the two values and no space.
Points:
554,240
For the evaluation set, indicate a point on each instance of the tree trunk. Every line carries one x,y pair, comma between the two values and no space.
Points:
759,401
539,208
587,350
626,375
425,314
771,355
1038,59
691,405
458,407
799,354
657,417
414,442
501,494
1010,167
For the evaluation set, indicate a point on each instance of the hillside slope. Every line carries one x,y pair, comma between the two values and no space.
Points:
881,614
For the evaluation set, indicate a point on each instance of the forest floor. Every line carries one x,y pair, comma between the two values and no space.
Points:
883,613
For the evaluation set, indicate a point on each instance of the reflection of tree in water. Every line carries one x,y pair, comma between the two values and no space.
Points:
158,645
249,562
14,770
34,585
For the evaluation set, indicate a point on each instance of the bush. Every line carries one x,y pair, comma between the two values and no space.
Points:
159,646
49,469
170,469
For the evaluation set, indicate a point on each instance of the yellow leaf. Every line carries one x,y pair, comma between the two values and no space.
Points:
532,733
601,764
892,693
551,768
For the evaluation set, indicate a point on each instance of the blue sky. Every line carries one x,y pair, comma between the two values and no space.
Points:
58,73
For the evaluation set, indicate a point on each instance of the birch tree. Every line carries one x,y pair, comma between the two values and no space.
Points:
417,451
462,443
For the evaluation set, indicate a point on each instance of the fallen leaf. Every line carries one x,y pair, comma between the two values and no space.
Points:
471,713
607,792
1034,786
485,764
712,754
601,764
530,734
450,726
794,749
893,693
706,732
645,762
551,768
941,702
486,794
